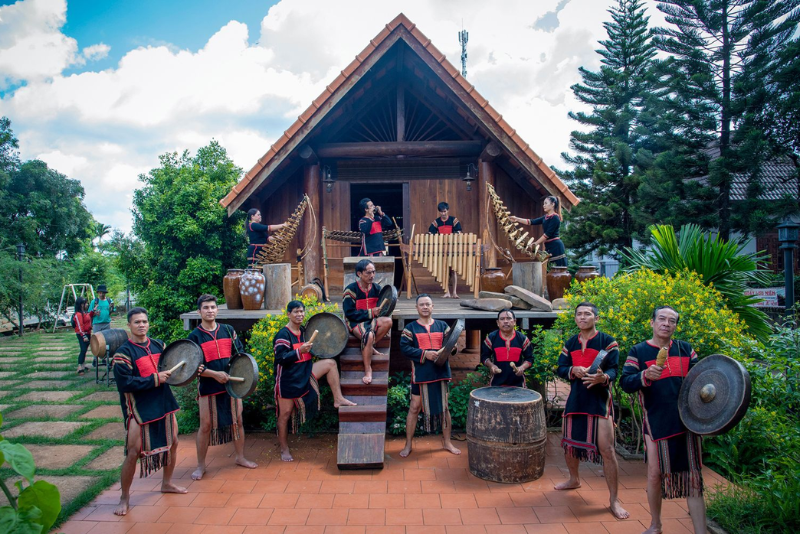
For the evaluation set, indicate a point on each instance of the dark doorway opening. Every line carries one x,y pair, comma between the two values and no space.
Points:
390,197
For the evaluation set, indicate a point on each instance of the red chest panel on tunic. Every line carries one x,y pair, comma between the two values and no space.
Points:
148,365
304,357
583,358
211,352
366,304
675,366
507,355
445,229
432,341
376,228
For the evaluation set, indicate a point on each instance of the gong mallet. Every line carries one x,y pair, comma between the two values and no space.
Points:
313,336
177,366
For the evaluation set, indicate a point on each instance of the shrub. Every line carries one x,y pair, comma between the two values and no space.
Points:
459,395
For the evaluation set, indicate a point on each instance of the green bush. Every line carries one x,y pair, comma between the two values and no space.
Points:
459,395
189,414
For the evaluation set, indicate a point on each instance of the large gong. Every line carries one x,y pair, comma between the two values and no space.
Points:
714,396
388,293
449,345
332,335
186,351
243,372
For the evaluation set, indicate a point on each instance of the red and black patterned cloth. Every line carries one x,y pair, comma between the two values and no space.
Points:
360,309
502,352
257,237
372,235
294,378
449,226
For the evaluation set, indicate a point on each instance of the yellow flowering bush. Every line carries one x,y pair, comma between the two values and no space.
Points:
260,346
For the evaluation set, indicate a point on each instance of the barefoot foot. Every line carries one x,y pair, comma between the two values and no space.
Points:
618,511
367,378
198,473
446,296
122,508
376,353
452,448
286,456
405,452
169,487
568,485
343,402
244,462
653,530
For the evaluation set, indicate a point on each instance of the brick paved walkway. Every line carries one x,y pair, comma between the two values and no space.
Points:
431,492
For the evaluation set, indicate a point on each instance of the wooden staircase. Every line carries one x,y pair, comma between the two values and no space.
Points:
362,428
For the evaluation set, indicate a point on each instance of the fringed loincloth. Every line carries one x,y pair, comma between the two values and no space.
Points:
580,437
362,330
434,405
680,462
306,407
221,410
156,439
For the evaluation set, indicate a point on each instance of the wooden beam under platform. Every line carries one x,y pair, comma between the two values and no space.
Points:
407,148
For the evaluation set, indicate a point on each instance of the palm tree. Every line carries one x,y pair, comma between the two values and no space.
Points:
100,231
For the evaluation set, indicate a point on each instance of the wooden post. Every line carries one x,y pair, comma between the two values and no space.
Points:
486,176
311,186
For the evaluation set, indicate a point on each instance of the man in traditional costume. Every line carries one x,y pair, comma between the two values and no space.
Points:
421,342
220,414
296,387
656,369
148,409
447,224
506,352
371,228
588,425
360,305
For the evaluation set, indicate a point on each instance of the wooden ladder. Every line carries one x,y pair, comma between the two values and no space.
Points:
362,428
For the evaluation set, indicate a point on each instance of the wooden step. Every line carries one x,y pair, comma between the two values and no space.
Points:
353,341
362,414
351,361
376,375
362,427
360,451
354,386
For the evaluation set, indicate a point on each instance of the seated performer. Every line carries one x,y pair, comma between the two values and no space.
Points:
372,228
673,454
360,305
257,235
588,426
148,409
296,388
551,226
421,342
505,347
220,414
446,224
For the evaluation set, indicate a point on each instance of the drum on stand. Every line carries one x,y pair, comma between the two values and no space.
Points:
506,434
106,342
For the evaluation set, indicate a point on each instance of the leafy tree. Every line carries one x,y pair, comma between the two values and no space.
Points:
612,154
9,157
100,231
189,241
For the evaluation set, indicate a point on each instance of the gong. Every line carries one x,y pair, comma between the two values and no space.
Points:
332,335
714,395
389,293
243,372
185,351
449,345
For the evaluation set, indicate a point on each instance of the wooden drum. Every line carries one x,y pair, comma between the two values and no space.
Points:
506,434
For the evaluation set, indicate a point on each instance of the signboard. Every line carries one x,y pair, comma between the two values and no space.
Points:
769,296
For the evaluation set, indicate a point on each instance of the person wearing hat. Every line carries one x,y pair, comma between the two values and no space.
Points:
101,309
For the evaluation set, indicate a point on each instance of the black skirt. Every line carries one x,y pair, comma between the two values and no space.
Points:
556,248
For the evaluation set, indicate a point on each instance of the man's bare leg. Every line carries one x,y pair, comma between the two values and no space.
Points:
697,511
129,467
605,442
454,278
574,481
446,429
382,327
166,483
366,357
238,444
327,368
203,435
285,406
411,424
653,486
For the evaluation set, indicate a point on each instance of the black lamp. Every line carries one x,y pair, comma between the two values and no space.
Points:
787,235
327,178
472,173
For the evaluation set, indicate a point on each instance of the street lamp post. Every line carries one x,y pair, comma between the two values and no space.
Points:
20,257
787,235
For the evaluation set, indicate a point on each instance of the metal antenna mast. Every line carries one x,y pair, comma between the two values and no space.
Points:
463,37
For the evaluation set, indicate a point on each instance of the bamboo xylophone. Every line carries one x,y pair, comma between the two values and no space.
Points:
280,240
354,238
441,252
518,237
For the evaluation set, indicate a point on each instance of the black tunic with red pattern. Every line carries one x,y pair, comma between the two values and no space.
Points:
450,226
218,346
502,352
294,378
360,309
372,235
597,399
258,237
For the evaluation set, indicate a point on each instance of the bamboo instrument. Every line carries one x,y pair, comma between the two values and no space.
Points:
275,249
513,230
441,253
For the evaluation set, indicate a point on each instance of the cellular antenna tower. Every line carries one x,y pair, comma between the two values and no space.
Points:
463,37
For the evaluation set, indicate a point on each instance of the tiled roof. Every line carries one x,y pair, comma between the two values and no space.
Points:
318,107
778,179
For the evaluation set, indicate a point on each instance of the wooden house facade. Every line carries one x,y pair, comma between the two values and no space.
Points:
401,126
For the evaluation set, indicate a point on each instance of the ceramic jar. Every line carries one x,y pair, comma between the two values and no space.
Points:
558,280
586,272
230,288
251,288
493,279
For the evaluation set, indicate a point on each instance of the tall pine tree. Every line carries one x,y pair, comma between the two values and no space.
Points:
610,156
713,46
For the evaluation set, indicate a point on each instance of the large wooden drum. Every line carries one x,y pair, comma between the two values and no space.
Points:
506,434
113,339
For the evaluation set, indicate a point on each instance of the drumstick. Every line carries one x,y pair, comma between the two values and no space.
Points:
661,359
235,379
176,367
313,336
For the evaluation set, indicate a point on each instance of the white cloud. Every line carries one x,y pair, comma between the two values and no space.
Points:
107,127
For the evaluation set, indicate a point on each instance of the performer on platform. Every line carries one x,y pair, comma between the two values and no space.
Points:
673,454
371,228
447,224
360,305
148,409
296,387
421,342
257,235
220,414
551,226
506,352
588,424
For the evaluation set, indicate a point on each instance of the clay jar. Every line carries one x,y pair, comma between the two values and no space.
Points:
251,288
493,279
558,280
586,272
230,288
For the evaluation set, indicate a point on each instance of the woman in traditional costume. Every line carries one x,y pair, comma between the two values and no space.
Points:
551,226
257,235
